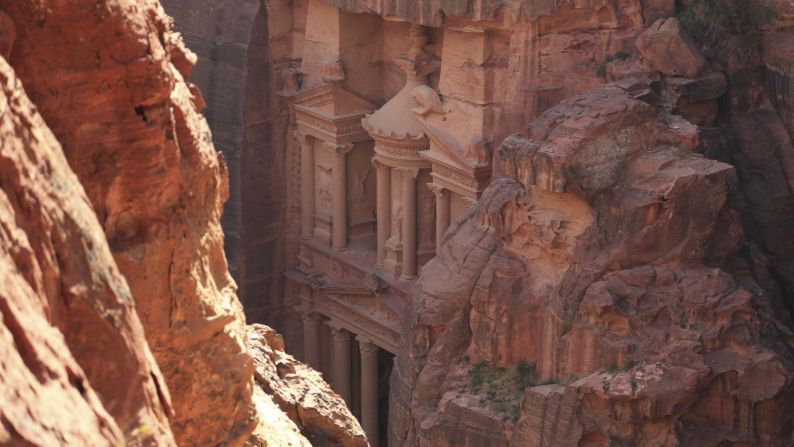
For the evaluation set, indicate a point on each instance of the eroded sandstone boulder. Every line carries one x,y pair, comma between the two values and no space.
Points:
301,394
108,78
585,309
667,47
75,368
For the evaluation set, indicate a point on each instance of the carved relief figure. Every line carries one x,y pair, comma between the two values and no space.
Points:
396,221
324,189
477,152
427,100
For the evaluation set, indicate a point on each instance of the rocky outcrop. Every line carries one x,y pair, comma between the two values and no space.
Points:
667,47
108,78
69,334
578,303
301,394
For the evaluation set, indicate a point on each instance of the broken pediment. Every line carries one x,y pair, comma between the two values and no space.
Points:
332,113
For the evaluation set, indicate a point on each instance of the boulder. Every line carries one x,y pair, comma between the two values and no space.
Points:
667,47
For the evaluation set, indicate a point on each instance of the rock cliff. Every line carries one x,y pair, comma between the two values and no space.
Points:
112,231
62,292
588,307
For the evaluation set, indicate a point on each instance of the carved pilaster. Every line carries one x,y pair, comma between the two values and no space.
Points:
442,212
341,362
369,388
307,184
383,208
408,178
339,193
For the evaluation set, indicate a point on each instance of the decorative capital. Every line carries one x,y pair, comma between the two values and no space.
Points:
378,163
310,317
339,333
407,173
301,137
440,191
338,149
366,346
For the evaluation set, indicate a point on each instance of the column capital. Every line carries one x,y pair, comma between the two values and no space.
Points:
407,173
366,346
310,317
339,333
378,163
338,149
301,136
438,190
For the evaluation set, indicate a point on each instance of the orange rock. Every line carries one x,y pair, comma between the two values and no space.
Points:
106,77
667,47
69,334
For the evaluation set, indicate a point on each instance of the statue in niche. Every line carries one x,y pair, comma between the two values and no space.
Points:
477,152
358,202
427,218
396,222
427,100
324,188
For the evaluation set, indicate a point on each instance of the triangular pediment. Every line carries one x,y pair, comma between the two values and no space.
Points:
446,146
332,101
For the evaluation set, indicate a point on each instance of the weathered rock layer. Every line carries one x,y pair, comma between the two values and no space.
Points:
69,334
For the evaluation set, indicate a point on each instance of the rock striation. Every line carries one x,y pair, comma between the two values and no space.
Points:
584,283
108,78
69,333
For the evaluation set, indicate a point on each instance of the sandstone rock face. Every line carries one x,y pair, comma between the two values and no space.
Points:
301,395
69,334
667,47
576,306
108,78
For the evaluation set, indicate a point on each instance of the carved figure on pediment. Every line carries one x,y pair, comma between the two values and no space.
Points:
332,71
477,152
427,100
290,77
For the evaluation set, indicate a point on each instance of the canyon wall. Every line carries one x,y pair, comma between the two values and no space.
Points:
61,293
590,309
130,128
109,79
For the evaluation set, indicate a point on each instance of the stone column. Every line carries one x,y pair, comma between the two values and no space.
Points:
311,339
409,222
369,389
383,208
307,186
340,374
339,195
442,213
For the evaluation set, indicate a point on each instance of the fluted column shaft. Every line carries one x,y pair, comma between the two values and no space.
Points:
369,389
383,208
409,222
340,376
311,339
307,187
